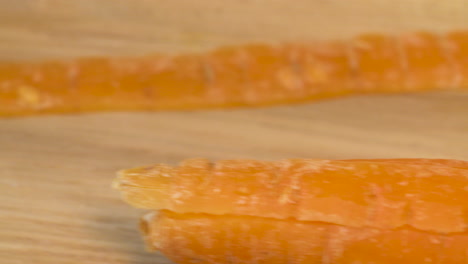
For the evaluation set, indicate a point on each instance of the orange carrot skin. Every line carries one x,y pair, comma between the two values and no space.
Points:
249,75
428,195
428,64
379,63
304,210
457,43
201,238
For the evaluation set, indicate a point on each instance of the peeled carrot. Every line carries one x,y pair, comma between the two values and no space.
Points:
201,238
249,75
304,210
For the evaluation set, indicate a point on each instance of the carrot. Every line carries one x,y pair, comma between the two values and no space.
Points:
387,193
304,210
248,75
201,238
457,47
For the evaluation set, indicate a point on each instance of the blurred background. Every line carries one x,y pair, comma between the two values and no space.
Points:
56,204
60,28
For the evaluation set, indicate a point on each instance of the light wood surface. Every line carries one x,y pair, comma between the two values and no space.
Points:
56,204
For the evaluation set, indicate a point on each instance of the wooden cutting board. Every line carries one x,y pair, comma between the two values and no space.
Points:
56,204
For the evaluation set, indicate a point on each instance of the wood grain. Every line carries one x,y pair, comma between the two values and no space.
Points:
56,204
38,29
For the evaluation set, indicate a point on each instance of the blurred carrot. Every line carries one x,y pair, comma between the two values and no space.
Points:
304,210
249,75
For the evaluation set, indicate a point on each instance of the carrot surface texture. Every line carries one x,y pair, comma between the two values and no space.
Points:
248,75
303,210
